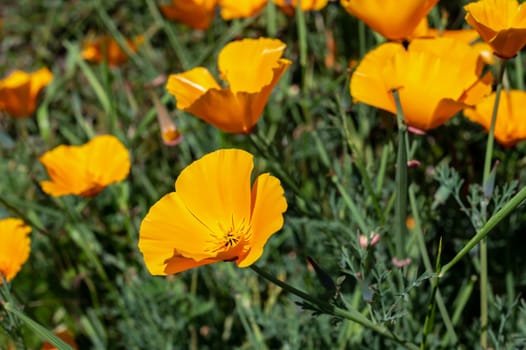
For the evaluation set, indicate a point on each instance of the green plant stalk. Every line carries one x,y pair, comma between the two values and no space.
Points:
361,167
272,27
170,33
486,228
401,180
355,212
351,314
483,244
430,316
519,71
451,335
302,35
37,328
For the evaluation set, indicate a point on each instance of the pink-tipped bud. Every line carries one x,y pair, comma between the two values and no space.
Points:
369,241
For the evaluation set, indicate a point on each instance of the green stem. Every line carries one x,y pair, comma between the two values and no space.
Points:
483,244
302,34
401,179
486,228
351,315
429,268
355,212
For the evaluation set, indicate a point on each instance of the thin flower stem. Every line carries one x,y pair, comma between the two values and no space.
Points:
401,179
519,71
302,34
351,314
483,244
486,228
271,19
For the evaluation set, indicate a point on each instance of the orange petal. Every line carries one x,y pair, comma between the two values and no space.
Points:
391,18
231,9
260,57
197,14
509,127
235,113
14,247
178,263
108,161
85,170
189,86
217,188
367,83
268,206
170,225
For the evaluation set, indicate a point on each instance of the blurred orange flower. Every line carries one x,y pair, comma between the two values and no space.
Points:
14,247
252,67
19,91
231,9
393,19
500,23
213,215
289,6
105,48
510,127
435,78
66,336
87,169
197,14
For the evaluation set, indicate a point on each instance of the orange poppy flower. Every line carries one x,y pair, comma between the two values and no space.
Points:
252,67
14,247
500,23
214,215
197,14
105,48
510,127
87,169
231,9
393,19
435,78
289,6
63,334
19,91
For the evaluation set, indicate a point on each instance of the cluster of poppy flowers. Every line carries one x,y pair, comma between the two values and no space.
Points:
215,213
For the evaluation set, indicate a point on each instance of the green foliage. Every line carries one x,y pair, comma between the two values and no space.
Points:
336,161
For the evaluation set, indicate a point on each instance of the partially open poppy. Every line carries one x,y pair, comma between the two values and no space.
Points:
500,23
214,215
509,127
14,247
435,78
19,91
87,169
106,49
197,14
252,67
289,6
231,9
394,19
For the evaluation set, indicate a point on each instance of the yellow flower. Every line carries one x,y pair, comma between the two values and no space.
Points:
197,14
510,127
105,48
19,91
252,67
14,247
231,9
214,215
500,23
288,6
435,78
393,19
87,169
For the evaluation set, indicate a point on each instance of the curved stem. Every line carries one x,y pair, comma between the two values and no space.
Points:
483,244
351,315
